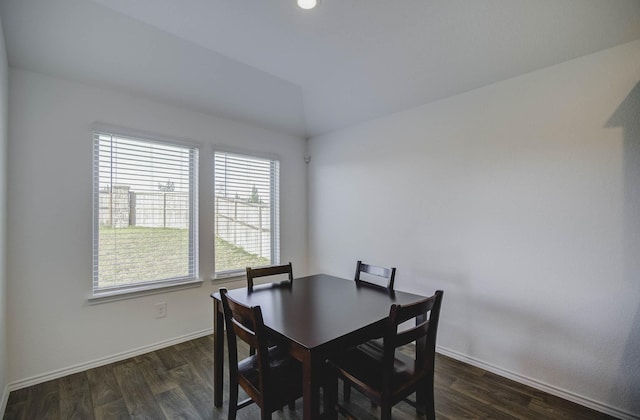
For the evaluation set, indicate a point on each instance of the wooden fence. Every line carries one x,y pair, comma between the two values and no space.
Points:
123,208
246,225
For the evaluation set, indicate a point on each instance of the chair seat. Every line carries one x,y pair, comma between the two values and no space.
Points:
285,373
374,346
363,364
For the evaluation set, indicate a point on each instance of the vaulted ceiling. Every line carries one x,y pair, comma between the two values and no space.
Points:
269,63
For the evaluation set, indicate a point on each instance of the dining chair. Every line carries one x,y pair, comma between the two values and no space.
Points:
370,270
387,377
269,271
271,378
273,270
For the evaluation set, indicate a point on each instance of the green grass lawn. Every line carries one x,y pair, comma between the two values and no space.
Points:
229,257
138,254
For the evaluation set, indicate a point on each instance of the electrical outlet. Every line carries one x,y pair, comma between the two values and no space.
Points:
161,309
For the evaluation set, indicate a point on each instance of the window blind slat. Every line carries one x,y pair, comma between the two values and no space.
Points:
246,210
145,212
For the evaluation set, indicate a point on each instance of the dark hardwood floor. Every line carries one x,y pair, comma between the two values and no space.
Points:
176,383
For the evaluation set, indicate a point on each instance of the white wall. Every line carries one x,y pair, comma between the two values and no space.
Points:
521,200
51,327
4,93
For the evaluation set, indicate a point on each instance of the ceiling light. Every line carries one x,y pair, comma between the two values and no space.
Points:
307,4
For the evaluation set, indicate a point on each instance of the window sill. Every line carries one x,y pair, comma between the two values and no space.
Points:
230,276
111,296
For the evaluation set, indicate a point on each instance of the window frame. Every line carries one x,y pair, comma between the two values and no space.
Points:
100,294
275,220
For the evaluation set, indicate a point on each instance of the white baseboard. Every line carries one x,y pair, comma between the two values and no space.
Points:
34,380
550,389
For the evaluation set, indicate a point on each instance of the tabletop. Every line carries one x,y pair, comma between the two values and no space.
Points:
320,308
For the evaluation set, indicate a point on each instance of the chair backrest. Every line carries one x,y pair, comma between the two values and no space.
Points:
426,314
272,270
246,323
388,274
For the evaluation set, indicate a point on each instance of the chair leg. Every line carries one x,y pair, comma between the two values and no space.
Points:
429,404
233,401
425,401
265,414
330,397
385,411
292,405
346,391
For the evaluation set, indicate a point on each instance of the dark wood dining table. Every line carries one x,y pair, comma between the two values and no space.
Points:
313,317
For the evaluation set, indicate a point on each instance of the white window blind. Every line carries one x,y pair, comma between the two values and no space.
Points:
145,213
247,212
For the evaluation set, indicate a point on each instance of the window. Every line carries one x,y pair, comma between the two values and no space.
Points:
145,213
247,213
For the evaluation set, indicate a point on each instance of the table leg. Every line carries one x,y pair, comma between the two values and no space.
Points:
218,353
421,392
310,388
330,393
